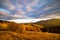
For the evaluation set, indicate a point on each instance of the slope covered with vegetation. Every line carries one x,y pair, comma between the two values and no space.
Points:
49,23
8,35
52,25
42,30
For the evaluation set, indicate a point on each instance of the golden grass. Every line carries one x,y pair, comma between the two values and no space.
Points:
13,31
29,35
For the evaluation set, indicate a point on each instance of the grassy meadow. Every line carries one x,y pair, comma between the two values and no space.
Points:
42,30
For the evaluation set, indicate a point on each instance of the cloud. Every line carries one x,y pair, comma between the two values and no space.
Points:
47,8
20,12
28,20
25,9
34,2
19,6
21,17
6,16
25,20
29,9
51,6
9,5
53,15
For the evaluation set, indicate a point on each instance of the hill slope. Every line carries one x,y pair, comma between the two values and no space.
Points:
51,22
7,35
30,31
52,25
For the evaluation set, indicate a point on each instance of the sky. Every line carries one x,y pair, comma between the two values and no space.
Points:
29,9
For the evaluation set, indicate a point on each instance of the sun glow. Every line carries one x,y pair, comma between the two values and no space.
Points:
28,20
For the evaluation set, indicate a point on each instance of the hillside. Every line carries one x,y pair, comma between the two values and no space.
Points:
52,25
51,22
7,35
42,30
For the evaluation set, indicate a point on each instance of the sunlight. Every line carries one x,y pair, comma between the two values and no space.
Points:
28,20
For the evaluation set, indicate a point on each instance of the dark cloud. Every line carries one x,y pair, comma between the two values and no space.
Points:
6,16
1,4
52,15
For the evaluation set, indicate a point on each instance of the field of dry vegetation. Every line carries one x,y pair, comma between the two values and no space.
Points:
30,31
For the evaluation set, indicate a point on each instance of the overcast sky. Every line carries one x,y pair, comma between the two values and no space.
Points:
29,9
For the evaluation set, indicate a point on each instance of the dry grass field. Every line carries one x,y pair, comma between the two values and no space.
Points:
45,30
8,35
